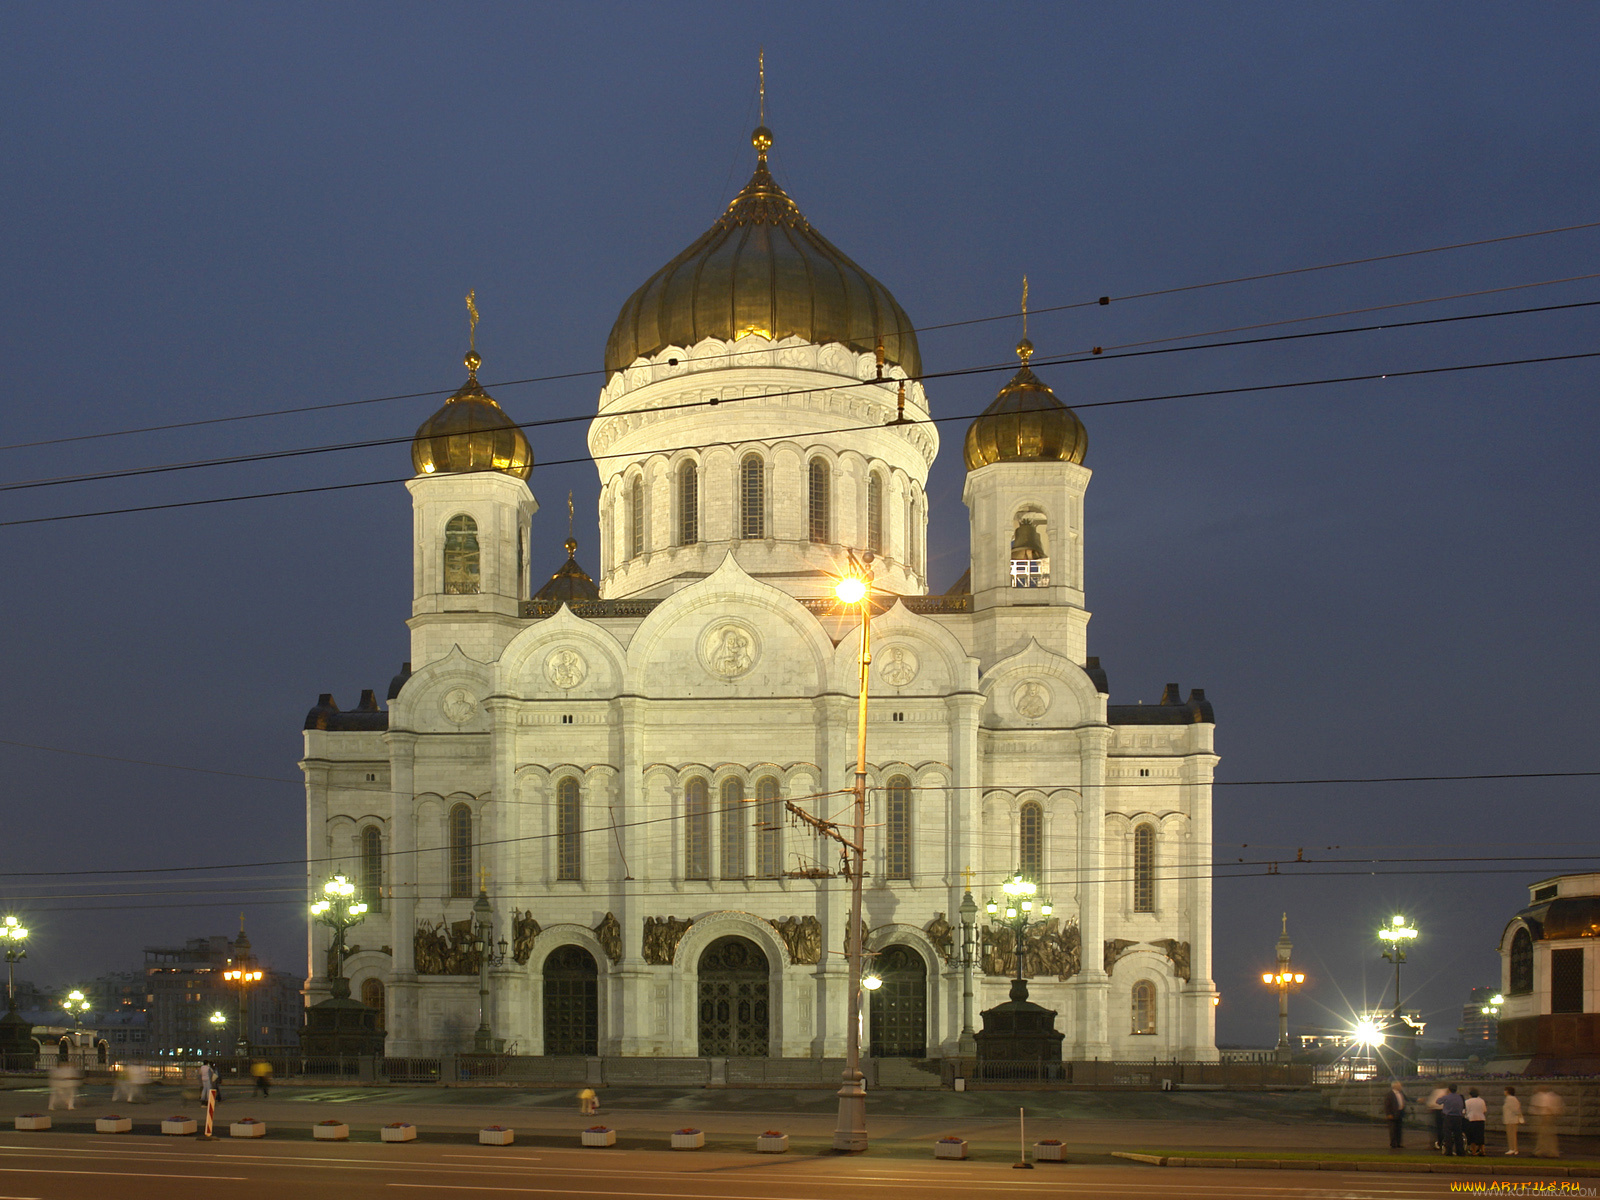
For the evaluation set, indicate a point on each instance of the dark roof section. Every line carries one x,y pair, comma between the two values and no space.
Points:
1569,917
1196,710
399,681
962,586
367,717
1093,669
570,585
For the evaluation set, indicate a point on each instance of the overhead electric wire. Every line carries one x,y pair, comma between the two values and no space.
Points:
1069,358
1204,394
1101,301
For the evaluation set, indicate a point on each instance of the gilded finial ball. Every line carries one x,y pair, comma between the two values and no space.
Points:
761,139
1024,350
473,361
571,546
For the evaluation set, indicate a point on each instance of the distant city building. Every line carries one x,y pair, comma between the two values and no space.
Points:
1479,1022
184,986
1548,1021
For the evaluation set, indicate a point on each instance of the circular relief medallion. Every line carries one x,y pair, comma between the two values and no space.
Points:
897,666
565,668
1031,699
729,649
459,706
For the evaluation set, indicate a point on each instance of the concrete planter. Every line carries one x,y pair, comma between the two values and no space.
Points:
689,1139
400,1131
772,1143
1049,1152
113,1124
331,1131
950,1148
248,1127
34,1121
600,1136
496,1135
178,1126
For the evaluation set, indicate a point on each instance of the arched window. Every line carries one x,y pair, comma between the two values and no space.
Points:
688,504
697,831
1144,1007
569,831
636,518
461,850
372,997
1030,562
897,829
752,498
875,513
769,854
1521,962
914,535
1144,862
372,868
461,577
1030,839
733,829
819,478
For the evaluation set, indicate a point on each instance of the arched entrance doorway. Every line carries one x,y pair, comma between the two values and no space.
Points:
899,1009
733,1000
571,1002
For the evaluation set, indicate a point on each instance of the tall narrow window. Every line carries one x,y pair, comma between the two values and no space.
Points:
914,536
897,829
461,577
636,518
461,851
875,513
372,997
819,499
769,857
1030,840
752,498
697,831
1144,863
1521,962
1144,1007
372,868
569,831
733,826
688,504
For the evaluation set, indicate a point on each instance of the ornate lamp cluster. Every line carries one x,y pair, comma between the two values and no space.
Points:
1022,901
339,910
1395,935
14,934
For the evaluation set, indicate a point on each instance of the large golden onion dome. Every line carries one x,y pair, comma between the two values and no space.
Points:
762,269
1025,422
471,433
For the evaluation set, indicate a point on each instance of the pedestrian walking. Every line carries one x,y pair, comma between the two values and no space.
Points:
1477,1115
64,1085
1511,1118
262,1070
1454,1107
1394,1108
208,1084
1434,1097
1546,1107
588,1102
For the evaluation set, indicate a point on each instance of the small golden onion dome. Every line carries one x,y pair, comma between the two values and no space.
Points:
762,269
1024,423
471,433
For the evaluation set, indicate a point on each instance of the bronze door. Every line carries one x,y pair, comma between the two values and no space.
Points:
571,1002
899,1009
733,1000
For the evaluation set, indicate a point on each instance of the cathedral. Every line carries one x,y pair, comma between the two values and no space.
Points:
584,792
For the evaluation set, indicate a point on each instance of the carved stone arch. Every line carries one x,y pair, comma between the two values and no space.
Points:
1074,700
944,664
552,937
710,926
883,936
420,706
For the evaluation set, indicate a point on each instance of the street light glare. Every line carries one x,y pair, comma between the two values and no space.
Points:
1368,1033
871,982
852,589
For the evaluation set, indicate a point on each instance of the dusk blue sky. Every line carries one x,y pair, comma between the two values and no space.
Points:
218,210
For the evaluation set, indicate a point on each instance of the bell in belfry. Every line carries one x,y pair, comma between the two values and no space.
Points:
1025,544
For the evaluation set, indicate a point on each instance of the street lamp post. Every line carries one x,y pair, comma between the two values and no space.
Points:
1285,981
1022,895
1395,935
77,1005
339,910
967,1047
850,1134
242,974
490,954
13,933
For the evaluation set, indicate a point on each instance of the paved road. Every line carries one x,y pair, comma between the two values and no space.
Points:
73,1166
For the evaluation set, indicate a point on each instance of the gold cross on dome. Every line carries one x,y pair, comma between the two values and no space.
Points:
472,320
966,876
761,72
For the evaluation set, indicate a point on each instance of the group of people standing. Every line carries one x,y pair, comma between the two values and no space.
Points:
1459,1121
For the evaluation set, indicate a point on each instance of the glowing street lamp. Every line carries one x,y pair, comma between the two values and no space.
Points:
1285,980
13,933
1368,1033
1492,1009
1022,902
1395,935
77,1005
242,974
339,910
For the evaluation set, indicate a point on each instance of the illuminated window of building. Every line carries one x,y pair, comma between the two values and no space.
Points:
697,831
752,498
1144,1007
733,825
461,576
819,499
372,867
897,828
875,513
769,811
1030,840
688,504
460,825
1144,855
569,831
